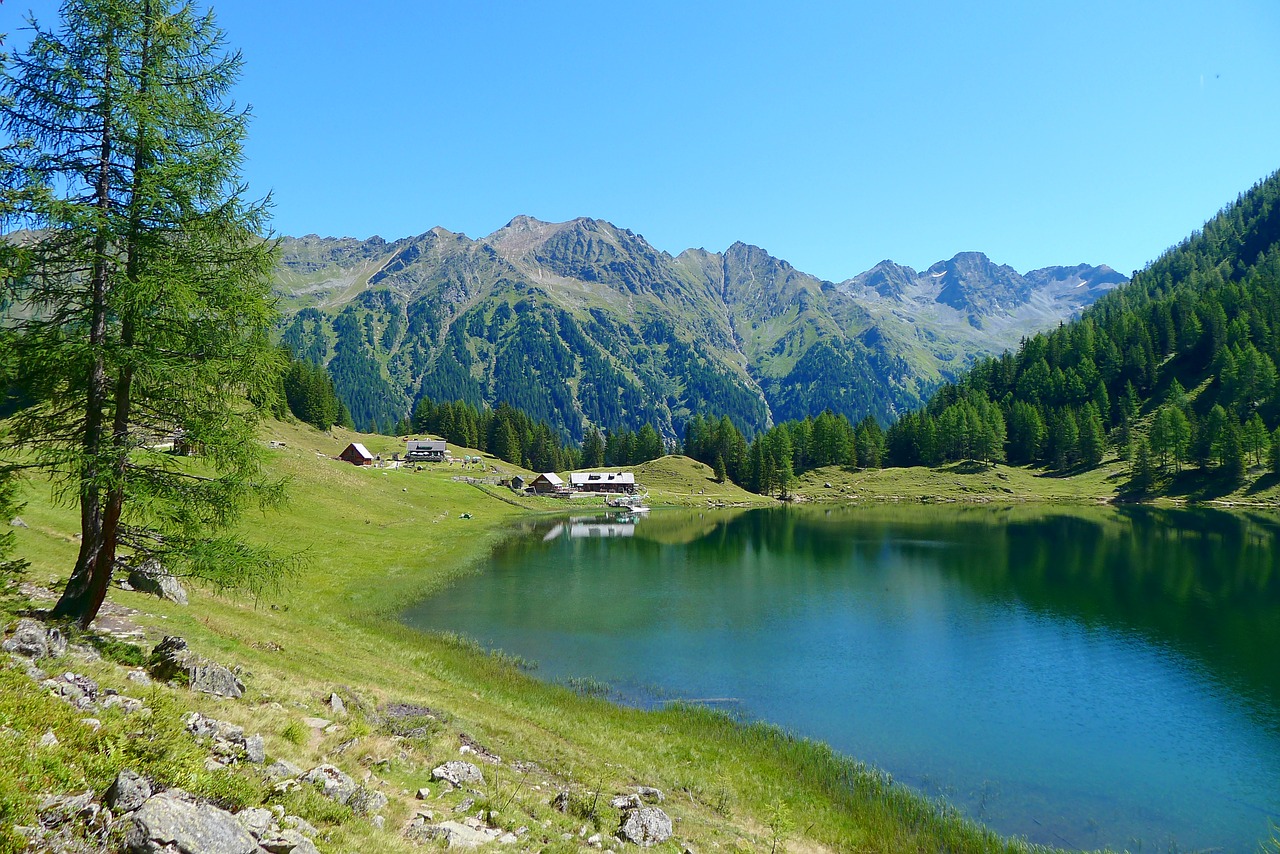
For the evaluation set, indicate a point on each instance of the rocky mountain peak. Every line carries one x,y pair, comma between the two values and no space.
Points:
971,281
887,279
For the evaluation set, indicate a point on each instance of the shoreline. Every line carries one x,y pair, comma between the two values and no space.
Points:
382,540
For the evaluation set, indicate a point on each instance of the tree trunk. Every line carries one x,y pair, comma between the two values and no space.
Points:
81,598
97,581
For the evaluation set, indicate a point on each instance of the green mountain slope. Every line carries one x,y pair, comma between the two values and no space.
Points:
1179,366
582,323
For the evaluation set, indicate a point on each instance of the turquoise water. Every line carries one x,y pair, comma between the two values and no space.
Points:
1083,678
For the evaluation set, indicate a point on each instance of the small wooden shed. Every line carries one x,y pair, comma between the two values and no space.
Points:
548,484
357,454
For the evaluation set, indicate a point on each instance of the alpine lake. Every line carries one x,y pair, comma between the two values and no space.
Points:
1078,676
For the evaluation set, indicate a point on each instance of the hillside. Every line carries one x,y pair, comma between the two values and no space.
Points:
582,323
1175,372
370,542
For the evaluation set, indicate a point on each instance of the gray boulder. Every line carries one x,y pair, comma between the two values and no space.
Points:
56,810
626,802
128,705
458,773
151,577
172,659
289,842
256,820
281,770
32,639
646,826
458,835
293,822
332,783
129,791
229,744
212,678
650,795
203,727
169,824
255,750
422,831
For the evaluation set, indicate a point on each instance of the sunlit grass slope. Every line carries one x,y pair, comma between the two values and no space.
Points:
371,541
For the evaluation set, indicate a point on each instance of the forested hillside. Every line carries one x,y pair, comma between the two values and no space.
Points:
585,325
1176,368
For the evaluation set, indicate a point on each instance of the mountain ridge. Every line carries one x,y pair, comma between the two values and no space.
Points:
634,334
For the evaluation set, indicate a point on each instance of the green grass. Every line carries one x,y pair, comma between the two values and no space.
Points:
977,482
370,542
965,481
678,481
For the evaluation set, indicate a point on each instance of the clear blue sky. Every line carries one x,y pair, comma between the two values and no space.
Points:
832,134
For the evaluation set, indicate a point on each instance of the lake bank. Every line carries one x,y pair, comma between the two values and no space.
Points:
374,541
1054,672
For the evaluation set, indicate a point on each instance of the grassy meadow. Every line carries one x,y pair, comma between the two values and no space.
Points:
370,541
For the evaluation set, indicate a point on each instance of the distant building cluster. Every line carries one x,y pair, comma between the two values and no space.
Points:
550,483
418,451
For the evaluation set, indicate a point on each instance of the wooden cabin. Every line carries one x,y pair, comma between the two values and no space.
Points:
548,483
357,454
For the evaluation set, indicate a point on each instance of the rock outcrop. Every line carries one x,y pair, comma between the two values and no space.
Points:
228,741
151,577
173,659
458,773
172,822
646,826
129,792
32,639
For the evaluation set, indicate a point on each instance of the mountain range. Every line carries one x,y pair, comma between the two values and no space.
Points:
583,323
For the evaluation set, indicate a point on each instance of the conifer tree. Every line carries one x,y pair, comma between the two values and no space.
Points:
784,470
146,290
648,445
1026,433
593,449
1233,462
755,468
1256,439
1142,471
1093,441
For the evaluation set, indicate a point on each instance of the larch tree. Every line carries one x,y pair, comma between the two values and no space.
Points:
141,290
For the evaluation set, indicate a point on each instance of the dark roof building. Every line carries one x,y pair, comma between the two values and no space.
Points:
425,450
603,481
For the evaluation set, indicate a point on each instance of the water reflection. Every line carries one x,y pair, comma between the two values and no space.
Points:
616,525
1083,677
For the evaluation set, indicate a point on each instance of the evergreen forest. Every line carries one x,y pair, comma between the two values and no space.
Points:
1176,369
1175,372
